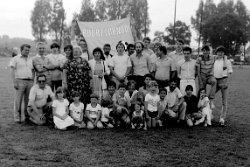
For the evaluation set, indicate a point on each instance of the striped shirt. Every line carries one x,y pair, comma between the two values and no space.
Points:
206,66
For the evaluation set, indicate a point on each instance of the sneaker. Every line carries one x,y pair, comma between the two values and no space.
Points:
222,122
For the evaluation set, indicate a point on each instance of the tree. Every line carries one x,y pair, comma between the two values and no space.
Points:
101,10
87,12
226,24
182,31
57,20
40,19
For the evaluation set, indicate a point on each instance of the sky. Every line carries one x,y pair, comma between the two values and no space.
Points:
15,15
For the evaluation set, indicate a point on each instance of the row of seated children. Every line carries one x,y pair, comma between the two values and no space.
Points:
136,109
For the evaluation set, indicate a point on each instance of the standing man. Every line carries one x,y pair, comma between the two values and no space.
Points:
148,51
106,51
41,63
141,64
131,49
22,76
164,68
186,69
85,54
205,71
222,71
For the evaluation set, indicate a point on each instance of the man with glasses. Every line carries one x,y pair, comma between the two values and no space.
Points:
40,98
22,76
186,71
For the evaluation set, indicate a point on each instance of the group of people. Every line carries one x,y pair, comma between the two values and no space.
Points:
137,88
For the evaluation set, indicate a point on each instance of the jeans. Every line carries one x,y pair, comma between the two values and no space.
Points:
22,93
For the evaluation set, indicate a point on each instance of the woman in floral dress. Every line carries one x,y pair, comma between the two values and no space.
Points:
77,76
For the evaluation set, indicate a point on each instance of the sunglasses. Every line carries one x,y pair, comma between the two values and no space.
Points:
41,81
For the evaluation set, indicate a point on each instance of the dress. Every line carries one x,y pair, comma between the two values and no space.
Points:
78,79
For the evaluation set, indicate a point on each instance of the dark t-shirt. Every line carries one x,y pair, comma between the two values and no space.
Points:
192,103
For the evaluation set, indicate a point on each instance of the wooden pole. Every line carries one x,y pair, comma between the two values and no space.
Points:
200,28
174,21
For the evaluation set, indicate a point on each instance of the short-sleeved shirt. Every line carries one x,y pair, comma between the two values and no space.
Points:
93,111
40,96
219,72
176,57
173,97
206,66
163,67
22,66
122,101
192,103
152,101
57,60
39,62
76,111
120,64
186,69
141,65
60,106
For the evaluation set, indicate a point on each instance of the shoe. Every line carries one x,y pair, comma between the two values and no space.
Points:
212,106
222,122
160,123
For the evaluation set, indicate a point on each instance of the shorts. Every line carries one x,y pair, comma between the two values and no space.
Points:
153,114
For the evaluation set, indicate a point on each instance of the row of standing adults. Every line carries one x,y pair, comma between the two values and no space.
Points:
76,74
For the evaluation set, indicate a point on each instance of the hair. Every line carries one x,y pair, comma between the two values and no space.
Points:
180,41
153,82
187,48
107,45
163,89
93,95
173,80
163,49
59,90
199,92
99,50
54,45
71,48
77,47
220,49
120,43
40,76
148,76
189,87
40,43
130,45
111,83
205,47
122,85
147,39
82,40
75,94
142,45
25,45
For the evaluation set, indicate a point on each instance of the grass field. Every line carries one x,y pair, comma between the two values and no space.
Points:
23,145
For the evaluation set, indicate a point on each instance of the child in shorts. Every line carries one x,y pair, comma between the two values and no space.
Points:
138,118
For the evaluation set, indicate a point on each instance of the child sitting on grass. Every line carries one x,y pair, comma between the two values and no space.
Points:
204,107
76,111
138,118
162,106
60,111
106,119
93,113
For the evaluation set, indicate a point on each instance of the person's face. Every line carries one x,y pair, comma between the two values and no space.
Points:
156,47
83,45
111,89
187,55
189,92
25,51
153,87
55,50
163,94
97,56
137,107
147,80
158,52
120,49
131,88
172,86
220,54
68,52
122,91
93,101
146,43
179,45
202,93
41,82
76,52
106,50
131,50
138,48
41,50
60,95
76,99
205,52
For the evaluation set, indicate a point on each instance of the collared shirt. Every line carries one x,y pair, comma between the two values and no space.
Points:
219,72
206,66
163,68
39,62
22,66
186,69
141,65
40,96
173,97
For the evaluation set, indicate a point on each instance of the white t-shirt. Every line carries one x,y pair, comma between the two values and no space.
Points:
152,101
93,111
120,64
60,106
173,97
105,114
77,111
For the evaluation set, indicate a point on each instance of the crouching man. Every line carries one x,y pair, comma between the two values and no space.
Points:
40,100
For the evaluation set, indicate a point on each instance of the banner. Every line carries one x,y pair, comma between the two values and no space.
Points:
98,33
